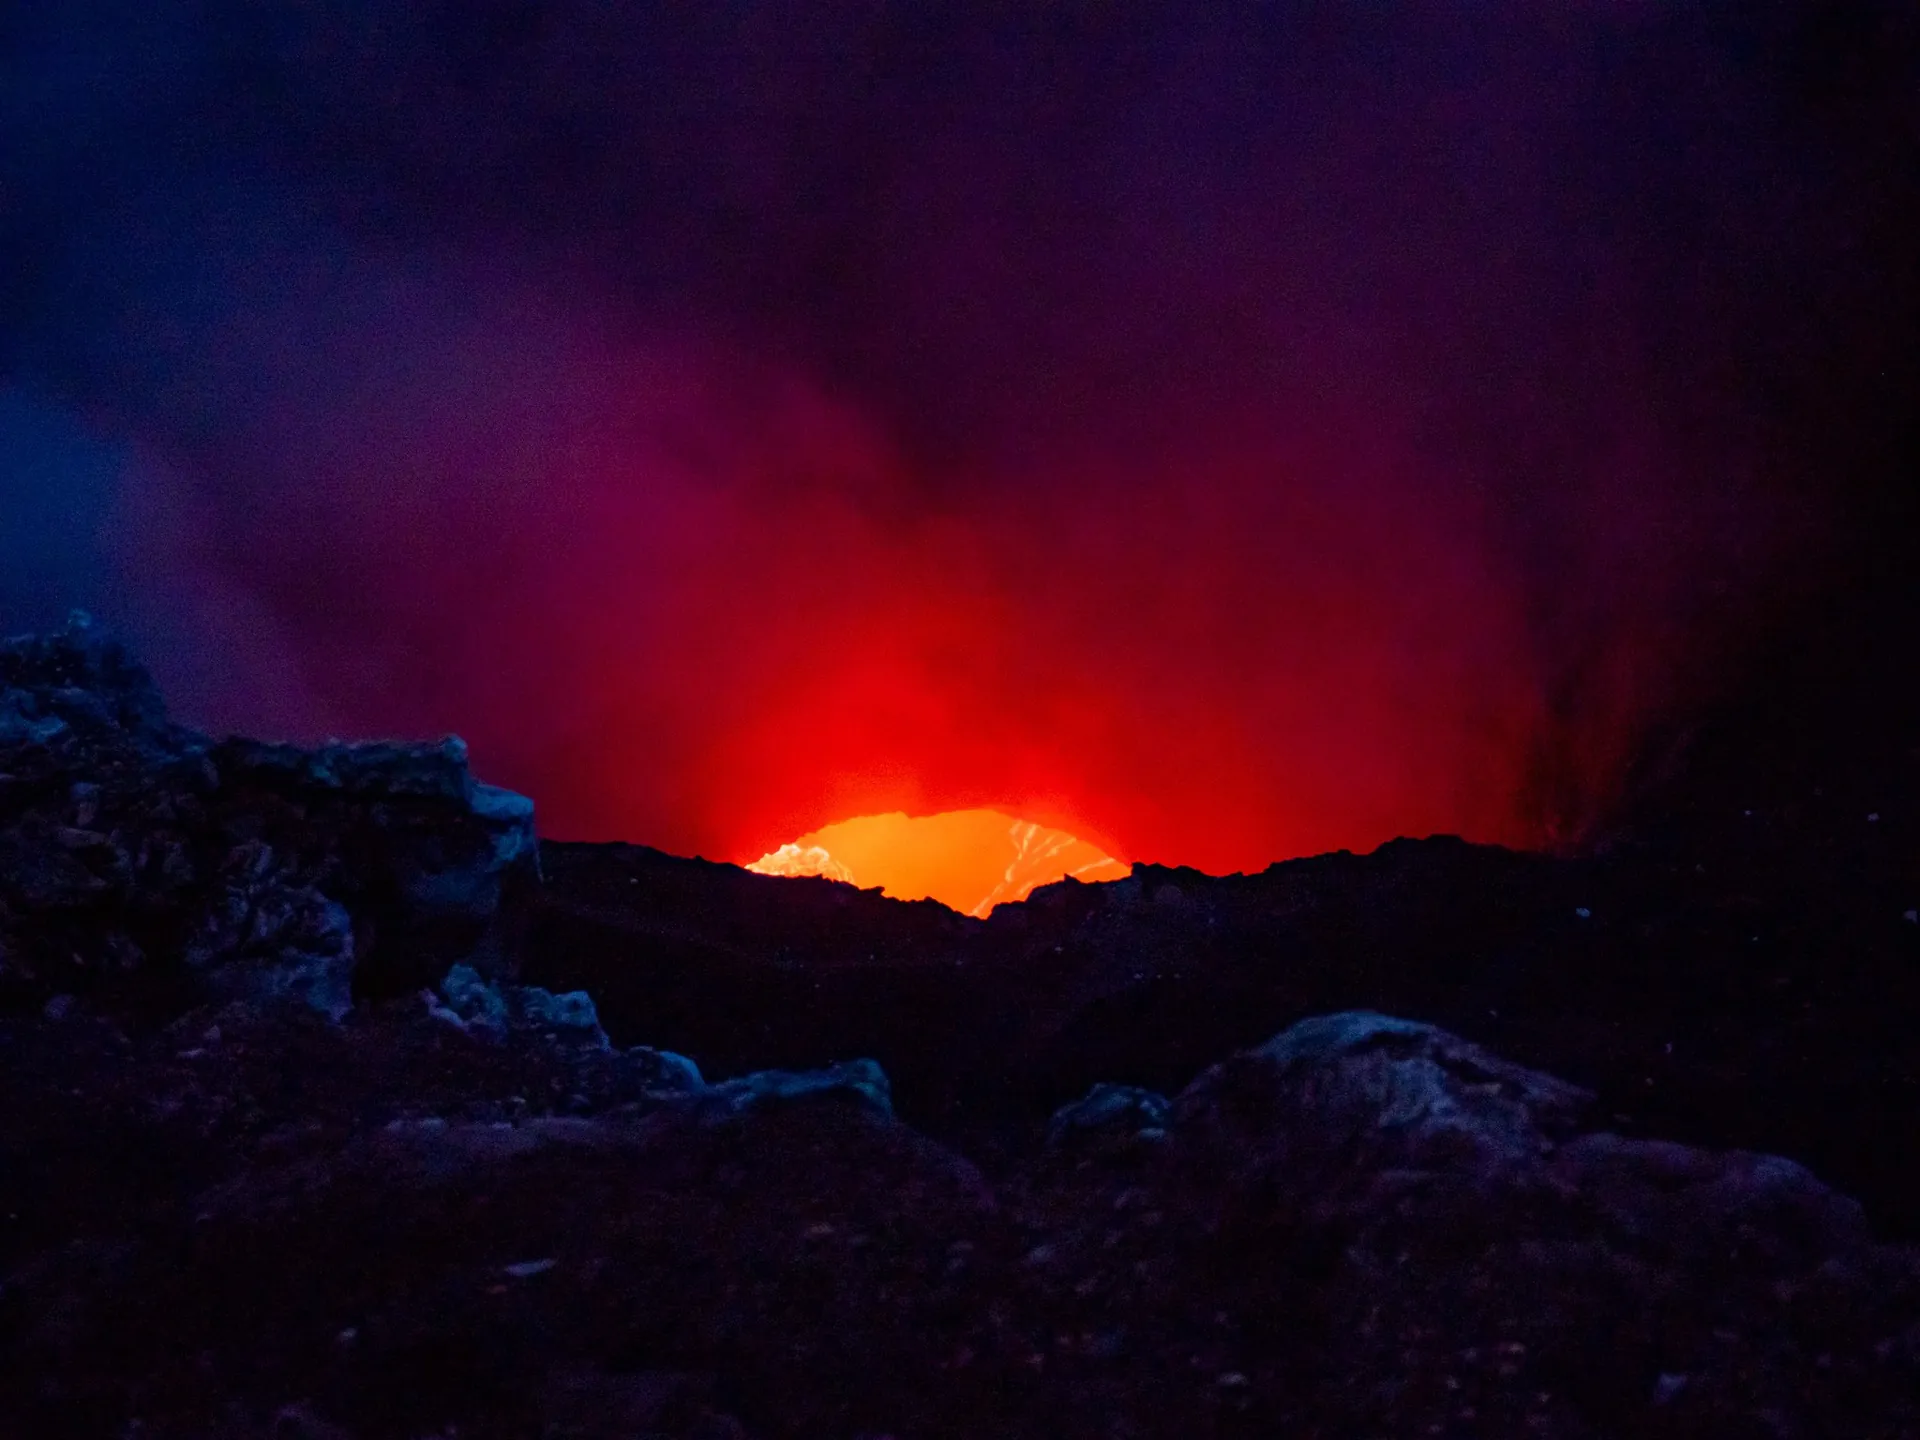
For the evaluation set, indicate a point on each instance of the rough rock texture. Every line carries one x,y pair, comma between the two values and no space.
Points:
326,1116
139,857
393,1226
1401,1234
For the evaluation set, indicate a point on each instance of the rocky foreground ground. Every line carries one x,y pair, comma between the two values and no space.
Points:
338,1105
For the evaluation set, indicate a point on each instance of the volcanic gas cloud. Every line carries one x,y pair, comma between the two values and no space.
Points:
712,604
1219,434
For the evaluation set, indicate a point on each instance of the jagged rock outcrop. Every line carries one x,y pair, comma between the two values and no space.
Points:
140,857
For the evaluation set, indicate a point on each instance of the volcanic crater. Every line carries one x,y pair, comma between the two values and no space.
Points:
339,1104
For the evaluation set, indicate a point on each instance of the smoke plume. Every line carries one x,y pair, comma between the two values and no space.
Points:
1226,433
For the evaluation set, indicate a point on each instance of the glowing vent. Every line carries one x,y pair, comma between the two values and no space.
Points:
970,860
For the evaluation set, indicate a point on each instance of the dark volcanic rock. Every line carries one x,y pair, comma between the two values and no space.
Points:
473,1002
1726,1000
141,859
1353,1099
326,1115
1363,1227
1109,1116
1367,1226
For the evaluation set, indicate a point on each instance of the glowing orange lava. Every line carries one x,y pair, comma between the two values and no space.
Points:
969,860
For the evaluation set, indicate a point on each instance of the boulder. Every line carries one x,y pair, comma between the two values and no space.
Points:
1402,1233
1377,1124
1337,1109
1107,1115
476,1003
1666,1199
860,1081
1364,1120
519,1016
651,1071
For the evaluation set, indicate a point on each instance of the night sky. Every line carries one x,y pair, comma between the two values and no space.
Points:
1232,430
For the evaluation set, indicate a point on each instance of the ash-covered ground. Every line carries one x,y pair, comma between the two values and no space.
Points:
338,1105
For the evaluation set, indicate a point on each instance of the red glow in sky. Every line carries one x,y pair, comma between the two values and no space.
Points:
1221,432
714,617
1232,434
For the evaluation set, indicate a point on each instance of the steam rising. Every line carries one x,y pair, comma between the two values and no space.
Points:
1235,435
